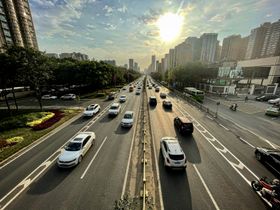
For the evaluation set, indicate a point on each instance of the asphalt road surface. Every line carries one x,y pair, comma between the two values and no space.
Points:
218,175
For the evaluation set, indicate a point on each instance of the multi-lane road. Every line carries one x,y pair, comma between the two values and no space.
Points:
220,166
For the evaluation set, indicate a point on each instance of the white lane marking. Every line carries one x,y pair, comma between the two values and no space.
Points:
246,142
27,181
95,155
129,157
206,188
240,165
123,108
273,145
223,127
209,117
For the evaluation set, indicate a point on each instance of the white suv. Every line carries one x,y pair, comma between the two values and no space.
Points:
172,153
115,109
127,120
122,98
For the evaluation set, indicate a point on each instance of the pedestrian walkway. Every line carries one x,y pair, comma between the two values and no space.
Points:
250,106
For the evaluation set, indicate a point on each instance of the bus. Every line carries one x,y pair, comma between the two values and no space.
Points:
196,94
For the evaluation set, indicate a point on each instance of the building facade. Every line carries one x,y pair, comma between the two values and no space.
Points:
16,24
130,64
208,47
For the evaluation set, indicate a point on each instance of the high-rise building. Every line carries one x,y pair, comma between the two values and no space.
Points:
130,64
271,45
74,55
208,47
218,52
135,67
183,54
166,62
171,58
230,48
243,48
153,63
256,41
111,62
16,24
196,47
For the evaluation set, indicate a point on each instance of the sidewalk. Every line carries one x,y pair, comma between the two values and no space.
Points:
249,107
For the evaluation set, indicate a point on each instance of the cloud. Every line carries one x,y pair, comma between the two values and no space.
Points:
110,27
268,15
108,10
109,41
90,38
91,26
122,9
150,17
43,3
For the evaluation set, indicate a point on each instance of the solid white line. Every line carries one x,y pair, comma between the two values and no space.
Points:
94,157
206,188
273,145
246,142
209,117
223,126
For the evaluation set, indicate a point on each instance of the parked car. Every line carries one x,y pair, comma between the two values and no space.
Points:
69,96
172,153
266,97
115,109
273,111
76,149
270,157
49,97
127,120
153,101
162,95
167,104
122,98
91,110
184,125
274,101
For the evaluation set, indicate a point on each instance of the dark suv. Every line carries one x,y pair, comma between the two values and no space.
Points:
184,125
153,101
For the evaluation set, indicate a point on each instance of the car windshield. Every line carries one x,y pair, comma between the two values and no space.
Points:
89,108
176,157
127,116
73,146
114,107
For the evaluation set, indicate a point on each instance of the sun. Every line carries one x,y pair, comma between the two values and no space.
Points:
170,26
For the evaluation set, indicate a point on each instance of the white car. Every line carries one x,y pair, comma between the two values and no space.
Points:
274,101
122,98
138,92
91,110
115,109
69,96
173,155
49,97
75,150
127,120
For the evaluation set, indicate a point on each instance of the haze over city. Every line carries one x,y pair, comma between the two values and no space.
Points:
138,29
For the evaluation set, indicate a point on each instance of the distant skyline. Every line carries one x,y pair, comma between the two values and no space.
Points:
124,29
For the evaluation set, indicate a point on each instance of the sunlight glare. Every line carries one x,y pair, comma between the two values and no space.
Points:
170,25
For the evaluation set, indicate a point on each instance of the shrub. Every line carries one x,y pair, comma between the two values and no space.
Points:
15,139
48,123
45,116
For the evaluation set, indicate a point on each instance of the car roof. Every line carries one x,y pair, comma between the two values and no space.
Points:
184,119
173,145
81,136
123,96
129,112
115,104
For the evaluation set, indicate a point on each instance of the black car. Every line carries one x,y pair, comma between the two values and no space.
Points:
266,97
271,157
167,104
184,125
153,101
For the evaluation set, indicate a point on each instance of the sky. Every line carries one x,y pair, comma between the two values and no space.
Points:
123,29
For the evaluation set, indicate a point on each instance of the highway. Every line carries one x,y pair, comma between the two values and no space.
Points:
94,184
218,175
